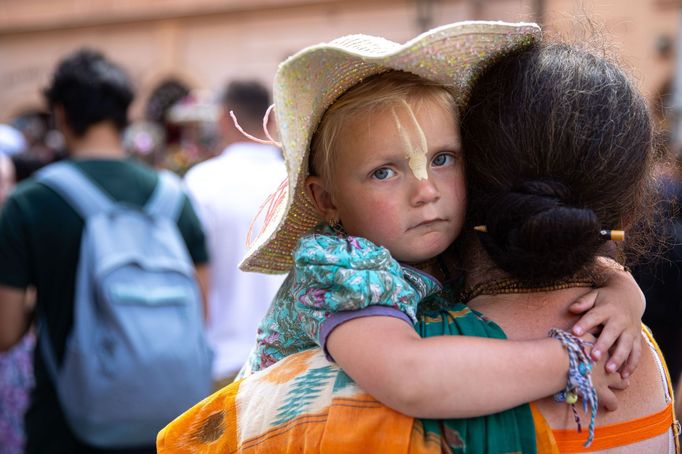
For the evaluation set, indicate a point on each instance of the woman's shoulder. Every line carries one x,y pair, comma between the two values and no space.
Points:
644,417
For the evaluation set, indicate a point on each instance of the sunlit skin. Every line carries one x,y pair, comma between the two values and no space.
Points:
376,194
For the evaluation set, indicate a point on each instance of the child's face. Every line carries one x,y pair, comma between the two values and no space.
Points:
398,188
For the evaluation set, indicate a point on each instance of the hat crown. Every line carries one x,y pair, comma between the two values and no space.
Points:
365,44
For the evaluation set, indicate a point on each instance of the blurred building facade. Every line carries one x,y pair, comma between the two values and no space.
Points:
203,43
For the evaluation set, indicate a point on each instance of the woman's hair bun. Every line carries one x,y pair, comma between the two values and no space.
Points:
558,146
536,231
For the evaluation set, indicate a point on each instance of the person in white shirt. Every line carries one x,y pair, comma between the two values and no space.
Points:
228,191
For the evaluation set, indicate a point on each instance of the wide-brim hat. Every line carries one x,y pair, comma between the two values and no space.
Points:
307,83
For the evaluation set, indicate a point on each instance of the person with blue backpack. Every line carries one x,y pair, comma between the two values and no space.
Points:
118,258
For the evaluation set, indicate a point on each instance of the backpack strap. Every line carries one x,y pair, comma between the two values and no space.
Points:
167,198
78,190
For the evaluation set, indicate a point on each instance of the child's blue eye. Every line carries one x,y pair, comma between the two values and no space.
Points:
383,173
443,159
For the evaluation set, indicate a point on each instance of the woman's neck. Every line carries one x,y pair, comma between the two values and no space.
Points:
511,286
526,316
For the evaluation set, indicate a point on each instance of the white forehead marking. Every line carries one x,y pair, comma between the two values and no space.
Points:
414,153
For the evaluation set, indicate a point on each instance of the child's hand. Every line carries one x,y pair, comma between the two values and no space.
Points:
604,383
618,306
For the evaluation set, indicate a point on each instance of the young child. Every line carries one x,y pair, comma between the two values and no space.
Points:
385,176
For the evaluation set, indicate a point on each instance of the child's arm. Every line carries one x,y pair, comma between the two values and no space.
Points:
451,376
618,306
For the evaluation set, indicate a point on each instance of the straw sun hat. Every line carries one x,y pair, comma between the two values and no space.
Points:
307,83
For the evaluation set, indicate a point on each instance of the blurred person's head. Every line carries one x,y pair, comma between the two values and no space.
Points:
34,125
87,91
12,141
43,141
144,140
160,102
163,98
559,147
249,100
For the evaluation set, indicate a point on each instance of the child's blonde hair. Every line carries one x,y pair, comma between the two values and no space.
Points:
374,93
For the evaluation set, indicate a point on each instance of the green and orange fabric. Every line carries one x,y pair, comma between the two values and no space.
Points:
307,404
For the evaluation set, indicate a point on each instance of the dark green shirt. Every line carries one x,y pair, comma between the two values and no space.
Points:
40,238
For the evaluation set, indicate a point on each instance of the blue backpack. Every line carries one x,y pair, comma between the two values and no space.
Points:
137,356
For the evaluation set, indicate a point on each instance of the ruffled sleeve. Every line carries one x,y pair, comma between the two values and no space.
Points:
334,275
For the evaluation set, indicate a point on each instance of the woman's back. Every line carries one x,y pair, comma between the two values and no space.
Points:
531,315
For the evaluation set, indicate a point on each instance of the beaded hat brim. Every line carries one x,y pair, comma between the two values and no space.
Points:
307,83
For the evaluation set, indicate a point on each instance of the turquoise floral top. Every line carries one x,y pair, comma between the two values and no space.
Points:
335,279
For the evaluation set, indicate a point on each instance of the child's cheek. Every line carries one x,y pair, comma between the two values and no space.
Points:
386,214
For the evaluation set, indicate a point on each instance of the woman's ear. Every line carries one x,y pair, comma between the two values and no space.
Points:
322,199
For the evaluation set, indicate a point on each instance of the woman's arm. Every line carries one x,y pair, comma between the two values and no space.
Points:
447,376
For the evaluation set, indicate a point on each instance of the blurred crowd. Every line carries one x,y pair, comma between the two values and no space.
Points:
179,129
226,178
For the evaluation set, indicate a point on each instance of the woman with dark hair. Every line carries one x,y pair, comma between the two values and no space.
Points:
559,156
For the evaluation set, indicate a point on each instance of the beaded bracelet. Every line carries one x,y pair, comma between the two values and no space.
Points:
579,379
